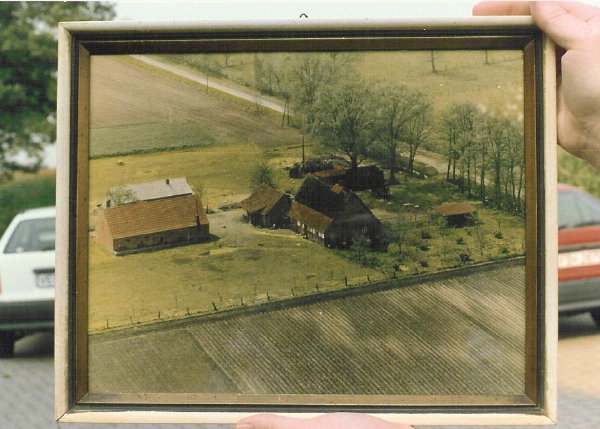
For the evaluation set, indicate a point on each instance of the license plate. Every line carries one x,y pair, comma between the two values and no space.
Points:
44,280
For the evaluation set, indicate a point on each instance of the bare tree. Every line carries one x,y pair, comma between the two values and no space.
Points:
396,108
417,129
345,120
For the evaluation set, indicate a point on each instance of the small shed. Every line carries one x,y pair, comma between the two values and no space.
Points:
151,224
267,207
457,214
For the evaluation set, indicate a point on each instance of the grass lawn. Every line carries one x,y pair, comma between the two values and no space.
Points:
245,265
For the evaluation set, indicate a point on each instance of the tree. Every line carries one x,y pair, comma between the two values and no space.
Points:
396,110
28,58
345,119
121,195
460,126
262,174
417,129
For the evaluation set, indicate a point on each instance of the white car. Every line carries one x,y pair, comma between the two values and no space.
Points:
27,276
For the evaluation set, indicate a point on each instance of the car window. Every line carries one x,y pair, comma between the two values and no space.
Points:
577,208
32,235
589,208
568,211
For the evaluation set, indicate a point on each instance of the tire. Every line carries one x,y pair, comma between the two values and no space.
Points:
7,344
596,316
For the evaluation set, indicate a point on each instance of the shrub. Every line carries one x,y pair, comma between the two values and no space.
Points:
465,257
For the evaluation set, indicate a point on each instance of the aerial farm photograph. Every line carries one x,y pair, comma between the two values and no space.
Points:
321,223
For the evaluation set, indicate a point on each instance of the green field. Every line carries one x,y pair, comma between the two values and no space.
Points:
461,76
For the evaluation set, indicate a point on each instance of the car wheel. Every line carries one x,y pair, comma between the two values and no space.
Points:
7,344
596,317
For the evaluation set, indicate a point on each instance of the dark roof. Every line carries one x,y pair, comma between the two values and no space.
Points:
148,217
335,202
310,217
452,209
261,200
318,195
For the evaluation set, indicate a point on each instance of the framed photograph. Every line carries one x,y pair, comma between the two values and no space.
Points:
305,217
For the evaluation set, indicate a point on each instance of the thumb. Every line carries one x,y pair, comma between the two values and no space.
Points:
561,22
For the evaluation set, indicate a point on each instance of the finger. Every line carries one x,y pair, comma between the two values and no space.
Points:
585,12
565,29
271,421
333,420
491,8
355,421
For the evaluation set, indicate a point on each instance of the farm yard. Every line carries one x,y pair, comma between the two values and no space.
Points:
180,128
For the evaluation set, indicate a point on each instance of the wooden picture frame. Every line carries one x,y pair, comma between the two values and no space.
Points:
138,341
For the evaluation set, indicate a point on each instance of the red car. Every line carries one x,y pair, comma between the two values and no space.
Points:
579,252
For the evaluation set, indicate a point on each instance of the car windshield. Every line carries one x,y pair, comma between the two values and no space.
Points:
576,209
32,235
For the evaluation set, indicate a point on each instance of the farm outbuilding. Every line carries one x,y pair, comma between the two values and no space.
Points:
457,214
267,207
331,215
151,215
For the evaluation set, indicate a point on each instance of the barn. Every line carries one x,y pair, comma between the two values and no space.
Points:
267,207
331,215
175,217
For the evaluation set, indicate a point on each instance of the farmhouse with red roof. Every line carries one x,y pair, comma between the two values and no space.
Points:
167,214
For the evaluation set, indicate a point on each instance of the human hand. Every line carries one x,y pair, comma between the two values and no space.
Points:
575,27
325,421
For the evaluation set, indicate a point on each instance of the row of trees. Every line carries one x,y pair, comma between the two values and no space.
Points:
325,95
485,155
353,120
